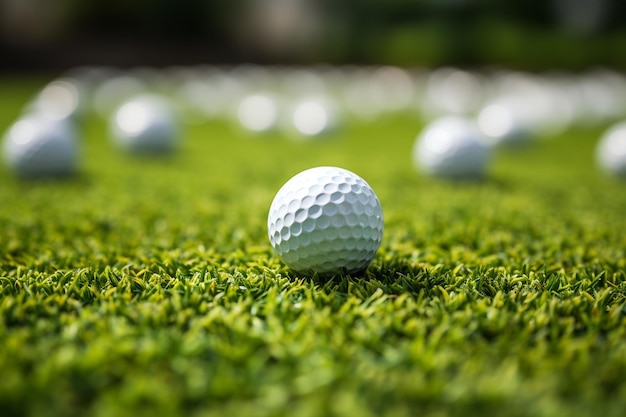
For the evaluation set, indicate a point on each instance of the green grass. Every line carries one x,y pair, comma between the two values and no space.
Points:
148,287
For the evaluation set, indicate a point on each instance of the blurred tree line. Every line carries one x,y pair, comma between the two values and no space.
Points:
530,34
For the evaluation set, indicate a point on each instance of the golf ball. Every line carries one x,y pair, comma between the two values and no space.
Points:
314,117
326,220
145,124
258,112
501,126
36,146
451,147
61,99
611,150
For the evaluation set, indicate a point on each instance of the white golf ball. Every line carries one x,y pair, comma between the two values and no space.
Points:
258,112
314,116
326,220
451,147
611,150
145,124
36,146
61,99
501,126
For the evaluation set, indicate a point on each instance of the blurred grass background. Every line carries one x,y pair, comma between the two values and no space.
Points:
524,34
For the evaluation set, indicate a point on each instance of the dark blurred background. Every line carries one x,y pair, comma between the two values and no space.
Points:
525,34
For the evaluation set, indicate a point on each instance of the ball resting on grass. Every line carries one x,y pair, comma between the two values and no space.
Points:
501,126
61,99
611,150
38,147
451,147
326,220
258,112
313,117
145,125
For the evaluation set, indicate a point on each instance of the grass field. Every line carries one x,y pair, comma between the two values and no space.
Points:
149,287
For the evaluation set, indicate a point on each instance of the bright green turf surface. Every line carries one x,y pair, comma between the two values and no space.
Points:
148,287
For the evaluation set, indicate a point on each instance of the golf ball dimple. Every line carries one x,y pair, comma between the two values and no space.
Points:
326,220
145,124
451,147
611,150
37,147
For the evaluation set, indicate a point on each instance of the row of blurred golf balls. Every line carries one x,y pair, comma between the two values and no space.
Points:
468,113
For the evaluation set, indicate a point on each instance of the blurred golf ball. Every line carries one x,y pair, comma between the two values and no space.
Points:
501,126
145,124
451,147
37,147
313,117
611,150
113,91
258,112
61,99
326,220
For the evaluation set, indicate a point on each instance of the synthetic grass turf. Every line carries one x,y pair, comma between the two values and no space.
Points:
148,286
